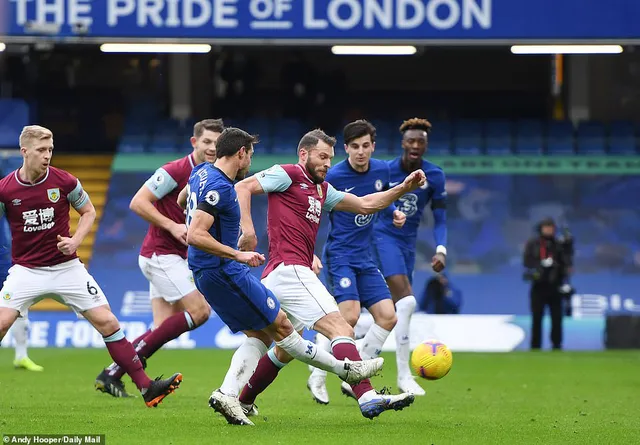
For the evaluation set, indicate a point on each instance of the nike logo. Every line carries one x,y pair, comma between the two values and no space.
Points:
349,189
393,184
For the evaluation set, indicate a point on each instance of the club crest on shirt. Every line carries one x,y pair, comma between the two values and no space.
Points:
378,185
53,194
271,303
424,187
319,190
6,296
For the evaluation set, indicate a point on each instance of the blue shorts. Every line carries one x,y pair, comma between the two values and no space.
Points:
4,272
393,257
238,297
359,281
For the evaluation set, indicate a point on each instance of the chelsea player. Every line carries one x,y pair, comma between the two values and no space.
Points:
221,274
351,273
395,247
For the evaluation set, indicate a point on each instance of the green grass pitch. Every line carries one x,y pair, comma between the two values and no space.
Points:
516,398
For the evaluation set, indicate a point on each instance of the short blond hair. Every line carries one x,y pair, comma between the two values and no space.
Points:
34,133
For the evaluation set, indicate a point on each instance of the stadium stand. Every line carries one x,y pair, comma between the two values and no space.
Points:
146,132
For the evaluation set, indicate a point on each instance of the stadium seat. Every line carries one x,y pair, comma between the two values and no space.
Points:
560,139
590,138
498,137
529,137
440,139
14,115
622,138
468,137
164,144
133,144
286,136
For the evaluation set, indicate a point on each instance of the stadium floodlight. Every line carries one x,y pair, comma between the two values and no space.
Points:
183,48
566,49
373,50
2,47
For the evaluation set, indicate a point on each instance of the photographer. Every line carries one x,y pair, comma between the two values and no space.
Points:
547,261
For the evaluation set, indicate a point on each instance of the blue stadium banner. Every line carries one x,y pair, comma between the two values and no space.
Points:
324,20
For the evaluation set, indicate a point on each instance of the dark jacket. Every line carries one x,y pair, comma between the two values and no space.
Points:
552,250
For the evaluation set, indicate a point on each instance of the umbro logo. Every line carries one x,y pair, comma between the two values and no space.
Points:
16,202
304,186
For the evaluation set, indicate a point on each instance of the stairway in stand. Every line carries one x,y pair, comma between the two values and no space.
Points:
94,172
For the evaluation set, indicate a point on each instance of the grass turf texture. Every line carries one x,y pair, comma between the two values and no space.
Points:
544,397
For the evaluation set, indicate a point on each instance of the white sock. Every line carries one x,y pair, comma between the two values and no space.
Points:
404,310
243,364
19,331
373,341
324,344
309,353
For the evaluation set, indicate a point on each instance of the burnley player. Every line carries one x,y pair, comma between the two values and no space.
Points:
36,200
396,248
222,275
176,303
20,328
297,194
350,269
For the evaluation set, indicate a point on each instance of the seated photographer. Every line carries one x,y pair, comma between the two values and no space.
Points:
440,297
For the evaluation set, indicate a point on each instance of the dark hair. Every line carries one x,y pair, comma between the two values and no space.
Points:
415,124
311,139
215,125
358,129
232,140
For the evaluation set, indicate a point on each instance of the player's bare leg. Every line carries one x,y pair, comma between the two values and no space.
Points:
344,348
405,302
189,312
123,353
161,310
8,317
290,345
372,404
384,317
20,332
317,382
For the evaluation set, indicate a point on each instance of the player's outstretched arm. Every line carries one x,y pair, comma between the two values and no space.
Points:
199,237
376,202
142,205
245,189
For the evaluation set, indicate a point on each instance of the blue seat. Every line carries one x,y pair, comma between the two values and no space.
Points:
133,144
560,138
164,144
622,138
590,138
529,137
468,135
499,137
14,115
440,139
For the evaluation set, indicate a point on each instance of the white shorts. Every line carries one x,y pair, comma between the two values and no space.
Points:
169,276
302,295
68,282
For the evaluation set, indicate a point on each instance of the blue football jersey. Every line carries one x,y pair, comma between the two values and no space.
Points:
5,246
209,186
411,204
350,234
